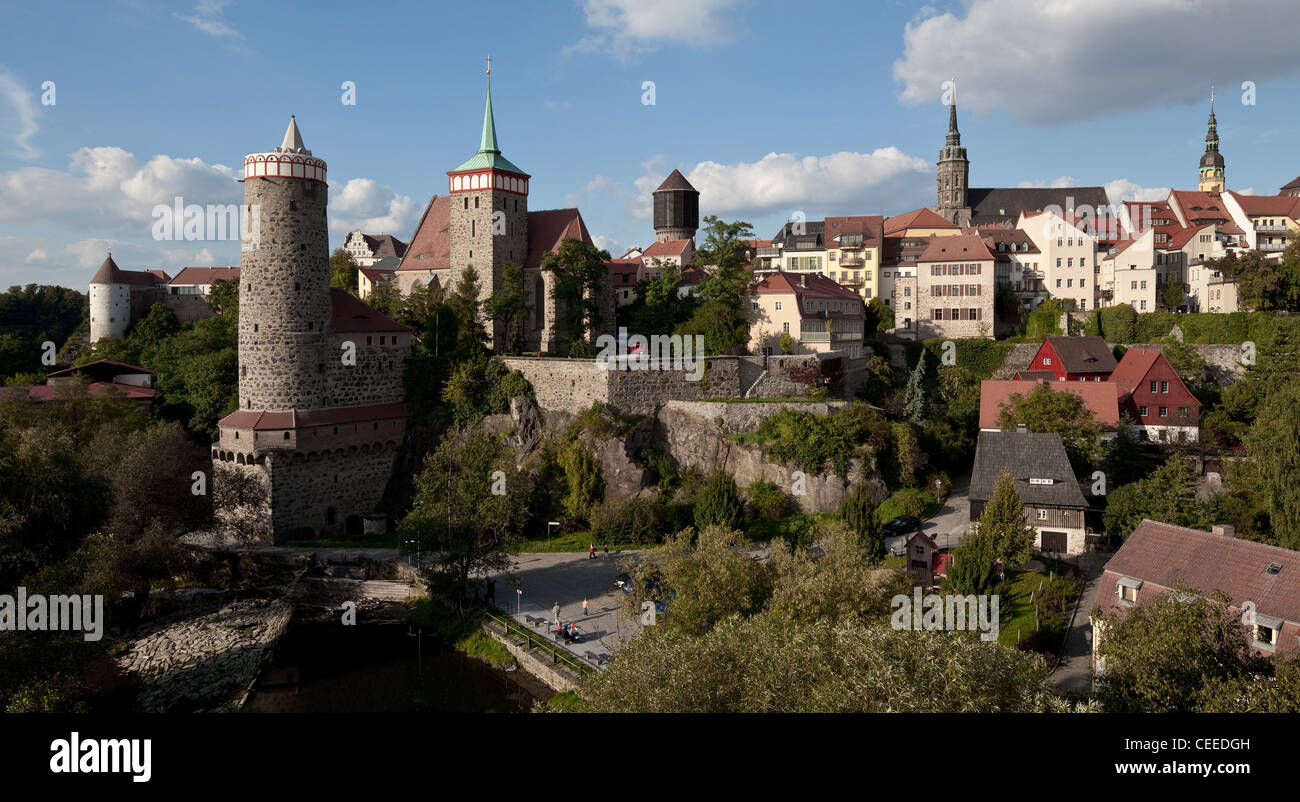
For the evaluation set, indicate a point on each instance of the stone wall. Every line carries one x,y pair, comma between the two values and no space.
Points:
1222,362
568,385
689,434
188,308
320,493
376,378
743,417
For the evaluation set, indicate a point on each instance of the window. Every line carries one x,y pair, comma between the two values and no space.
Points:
1144,285
778,306
1153,387
785,327
1164,387
1164,412
1133,285
1144,306
1182,413
1142,412
1047,360
1058,284
1069,282
1069,262
1058,262
1042,515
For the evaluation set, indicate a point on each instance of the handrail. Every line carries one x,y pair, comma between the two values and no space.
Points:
558,655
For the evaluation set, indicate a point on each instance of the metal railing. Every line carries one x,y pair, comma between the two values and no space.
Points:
534,640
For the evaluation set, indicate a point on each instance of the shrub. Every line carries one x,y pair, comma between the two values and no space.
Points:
630,520
769,501
718,502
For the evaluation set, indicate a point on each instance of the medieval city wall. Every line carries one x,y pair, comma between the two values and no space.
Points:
304,490
376,378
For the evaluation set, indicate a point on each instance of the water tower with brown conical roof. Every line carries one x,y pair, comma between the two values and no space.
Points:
676,209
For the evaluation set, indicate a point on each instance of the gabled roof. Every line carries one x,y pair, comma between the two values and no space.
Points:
1034,375
52,392
350,313
101,367
205,275
871,227
1006,203
1135,366
673,247
376,274
917,218
1026,455
548,229
1175,556
961,246
430,247
1100,398
1293,184
1083,354
384,245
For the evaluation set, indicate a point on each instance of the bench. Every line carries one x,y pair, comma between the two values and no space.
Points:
534,622
598,659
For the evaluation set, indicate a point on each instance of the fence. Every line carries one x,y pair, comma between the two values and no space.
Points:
511,628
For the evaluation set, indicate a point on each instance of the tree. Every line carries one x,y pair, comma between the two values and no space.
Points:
580,278
1167,495
718,502
908,455
386,299
1174,653
1007,307
1125,459
471,503
1044,409
585,487
879,317
1003,523
1274,443
158,325
482,386
223,297
974,569
786,342
1172,296
768,500
1262,283
507,309
464,304
343,271
861,516
839,582
914,407
719,317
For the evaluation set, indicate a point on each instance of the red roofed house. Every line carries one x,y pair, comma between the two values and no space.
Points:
102,375
1151,392
1100,398
951,294
1159,558
654,259
624,273
119,296
368,278
922,558
1072,359
819,315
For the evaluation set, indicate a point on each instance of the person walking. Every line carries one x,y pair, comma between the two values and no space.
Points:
591,551
555,613
584,606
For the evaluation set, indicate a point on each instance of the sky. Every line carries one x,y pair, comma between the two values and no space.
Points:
771,109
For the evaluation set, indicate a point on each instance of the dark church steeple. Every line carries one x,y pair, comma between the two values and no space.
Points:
1211,173
953,174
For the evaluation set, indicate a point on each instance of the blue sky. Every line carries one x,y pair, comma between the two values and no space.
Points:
769,108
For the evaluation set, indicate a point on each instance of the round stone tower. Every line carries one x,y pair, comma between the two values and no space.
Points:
284,296
676,209
110,302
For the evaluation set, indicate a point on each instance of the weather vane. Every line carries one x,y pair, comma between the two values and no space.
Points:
489,61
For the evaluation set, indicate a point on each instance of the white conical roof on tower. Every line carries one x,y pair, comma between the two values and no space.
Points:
292,140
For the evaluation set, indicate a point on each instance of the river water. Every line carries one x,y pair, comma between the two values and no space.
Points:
383,668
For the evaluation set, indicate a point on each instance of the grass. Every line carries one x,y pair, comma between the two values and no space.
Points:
1016,606
566,702
483,646
892,508
761,529
464,635
569,541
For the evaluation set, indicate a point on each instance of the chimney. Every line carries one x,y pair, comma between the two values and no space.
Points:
803,281
1227,530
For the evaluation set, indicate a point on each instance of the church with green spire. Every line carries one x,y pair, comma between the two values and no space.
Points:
1210,178
481,224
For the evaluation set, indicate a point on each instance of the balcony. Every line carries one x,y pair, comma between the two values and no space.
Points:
829,336
851,261
850,240
1271,229
768,252
1271,246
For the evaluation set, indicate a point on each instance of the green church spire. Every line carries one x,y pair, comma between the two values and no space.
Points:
489,151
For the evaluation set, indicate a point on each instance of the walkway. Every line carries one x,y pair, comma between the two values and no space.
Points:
1074,673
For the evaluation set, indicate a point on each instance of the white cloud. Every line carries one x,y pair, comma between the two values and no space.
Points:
37,255
623,26
184,257
1071,61
363,204
1122,189
1056,183
886,178
207,18
607,244
90,252
22,117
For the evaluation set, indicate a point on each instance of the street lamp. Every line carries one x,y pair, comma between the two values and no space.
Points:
549,524
408,551
519,600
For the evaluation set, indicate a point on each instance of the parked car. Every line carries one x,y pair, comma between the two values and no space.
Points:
902,525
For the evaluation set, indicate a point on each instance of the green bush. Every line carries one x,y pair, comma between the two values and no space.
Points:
769,501
630,520
718,502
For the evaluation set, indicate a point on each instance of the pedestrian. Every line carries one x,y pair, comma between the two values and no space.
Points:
584,606
606,549
591,551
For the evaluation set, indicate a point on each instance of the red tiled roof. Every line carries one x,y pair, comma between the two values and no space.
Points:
376,274
871,227
1175,556
1294,184
261,420
430,247
112,363
1282,205
674,247
1133,368
961,246
50,392
350,313
205,275
1099,397
918,218
548,229
110,273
